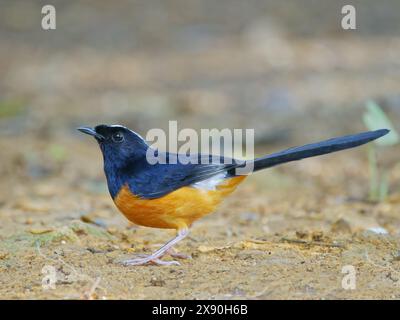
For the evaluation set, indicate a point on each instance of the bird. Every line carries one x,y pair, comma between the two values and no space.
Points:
173,194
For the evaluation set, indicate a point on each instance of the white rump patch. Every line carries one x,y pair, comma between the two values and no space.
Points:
210,183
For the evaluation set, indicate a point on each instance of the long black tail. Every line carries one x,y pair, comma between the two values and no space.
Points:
317,149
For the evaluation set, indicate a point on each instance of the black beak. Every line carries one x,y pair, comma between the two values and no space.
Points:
91,132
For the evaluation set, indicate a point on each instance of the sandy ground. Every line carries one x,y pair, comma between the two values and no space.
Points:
285,233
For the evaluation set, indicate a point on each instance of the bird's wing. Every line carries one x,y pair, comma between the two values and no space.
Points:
161,179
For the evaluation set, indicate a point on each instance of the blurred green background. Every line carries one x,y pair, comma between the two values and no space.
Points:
285,68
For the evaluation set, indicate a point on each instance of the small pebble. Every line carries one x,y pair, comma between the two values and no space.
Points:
378,230
317,236
157,282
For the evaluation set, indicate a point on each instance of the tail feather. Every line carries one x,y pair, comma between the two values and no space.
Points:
318,148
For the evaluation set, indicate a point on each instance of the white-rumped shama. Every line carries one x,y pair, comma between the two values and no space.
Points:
173,195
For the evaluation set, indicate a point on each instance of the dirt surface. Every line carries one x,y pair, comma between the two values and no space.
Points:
285,233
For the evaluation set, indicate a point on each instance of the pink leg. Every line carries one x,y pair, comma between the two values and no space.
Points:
155,257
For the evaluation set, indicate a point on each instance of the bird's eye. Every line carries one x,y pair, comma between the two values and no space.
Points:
118,137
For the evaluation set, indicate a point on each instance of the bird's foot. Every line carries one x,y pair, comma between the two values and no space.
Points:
155,258
175,254
149,260
142,259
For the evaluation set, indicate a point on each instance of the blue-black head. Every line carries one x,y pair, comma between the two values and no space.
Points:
118,144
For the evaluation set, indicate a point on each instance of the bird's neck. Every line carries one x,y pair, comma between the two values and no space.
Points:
115,180
121,172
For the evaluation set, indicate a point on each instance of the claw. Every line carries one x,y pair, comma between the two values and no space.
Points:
174,254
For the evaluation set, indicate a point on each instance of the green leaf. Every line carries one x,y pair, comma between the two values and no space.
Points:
384,187
57,152
375,118
11,108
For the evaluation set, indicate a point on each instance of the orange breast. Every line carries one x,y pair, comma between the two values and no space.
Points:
176,210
